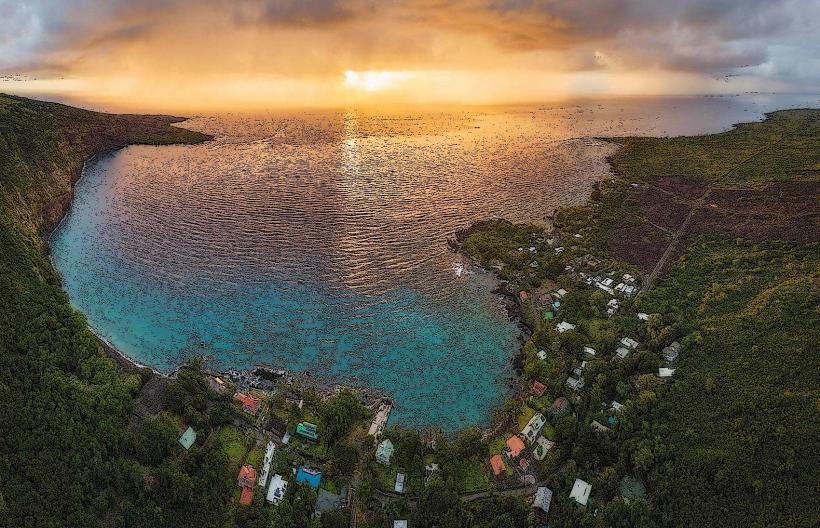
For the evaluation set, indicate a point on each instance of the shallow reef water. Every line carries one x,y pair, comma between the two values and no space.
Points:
317,241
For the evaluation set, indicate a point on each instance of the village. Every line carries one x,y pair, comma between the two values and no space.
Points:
590,361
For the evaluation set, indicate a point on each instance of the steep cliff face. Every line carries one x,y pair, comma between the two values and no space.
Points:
63,407
43,147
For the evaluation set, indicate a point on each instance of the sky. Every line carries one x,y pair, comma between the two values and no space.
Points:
209,54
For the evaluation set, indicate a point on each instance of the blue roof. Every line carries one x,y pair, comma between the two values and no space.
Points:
311,476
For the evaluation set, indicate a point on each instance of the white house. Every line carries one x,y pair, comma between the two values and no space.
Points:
543,499
589,351
533,427
622,352
276,490
665,372
384,452
580,492
263,478
564,326
628,342
399,488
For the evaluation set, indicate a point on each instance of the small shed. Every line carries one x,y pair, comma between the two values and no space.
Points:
188,438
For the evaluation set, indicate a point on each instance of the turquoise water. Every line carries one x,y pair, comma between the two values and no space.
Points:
317,241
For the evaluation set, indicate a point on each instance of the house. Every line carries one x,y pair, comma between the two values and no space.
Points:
643,316
580,492
307,430
286,438
276,490
543,499
607,282
665,372
246,496
497,465
598,426
630,343
399,487
311,477
263,478
523,295
631,488
564,326
533,427
560,293
542,354
559,406
588,350
250,404
400,523
616,406
542,447
385,451
327,501
247,476
380,419
671,352
622,352
514,446
538,388
429,469
188,438
605,288
575,384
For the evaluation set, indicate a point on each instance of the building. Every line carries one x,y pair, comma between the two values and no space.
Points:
671,352
307,430
380,419
399,487
247,476
559,406
246,496
598,426
188,438
400,523
250,404
580,492
385,451
630,343
497,465
533,427
429,469
538,388
564,326
514,446
631,488
276,490
327,501
542,447
263,478
311,477
543,499
616,406
665,372
589,351
643,316
575,384
622,352
542,354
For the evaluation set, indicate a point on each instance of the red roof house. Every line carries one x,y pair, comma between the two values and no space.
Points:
246,497
538,388
497,465
523,295
247,476
514,446
250,404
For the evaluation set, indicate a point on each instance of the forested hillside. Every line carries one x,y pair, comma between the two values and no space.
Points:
68,456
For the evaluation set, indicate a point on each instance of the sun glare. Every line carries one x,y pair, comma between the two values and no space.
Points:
374,81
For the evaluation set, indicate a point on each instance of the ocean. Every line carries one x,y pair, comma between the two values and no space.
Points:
317,241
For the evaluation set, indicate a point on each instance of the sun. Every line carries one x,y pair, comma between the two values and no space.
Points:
374,81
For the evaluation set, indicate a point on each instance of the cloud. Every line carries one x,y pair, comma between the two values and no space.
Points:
311,37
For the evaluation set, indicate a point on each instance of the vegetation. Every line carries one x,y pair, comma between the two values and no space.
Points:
730,440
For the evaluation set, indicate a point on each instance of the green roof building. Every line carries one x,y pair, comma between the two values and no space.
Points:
307,430
188,438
